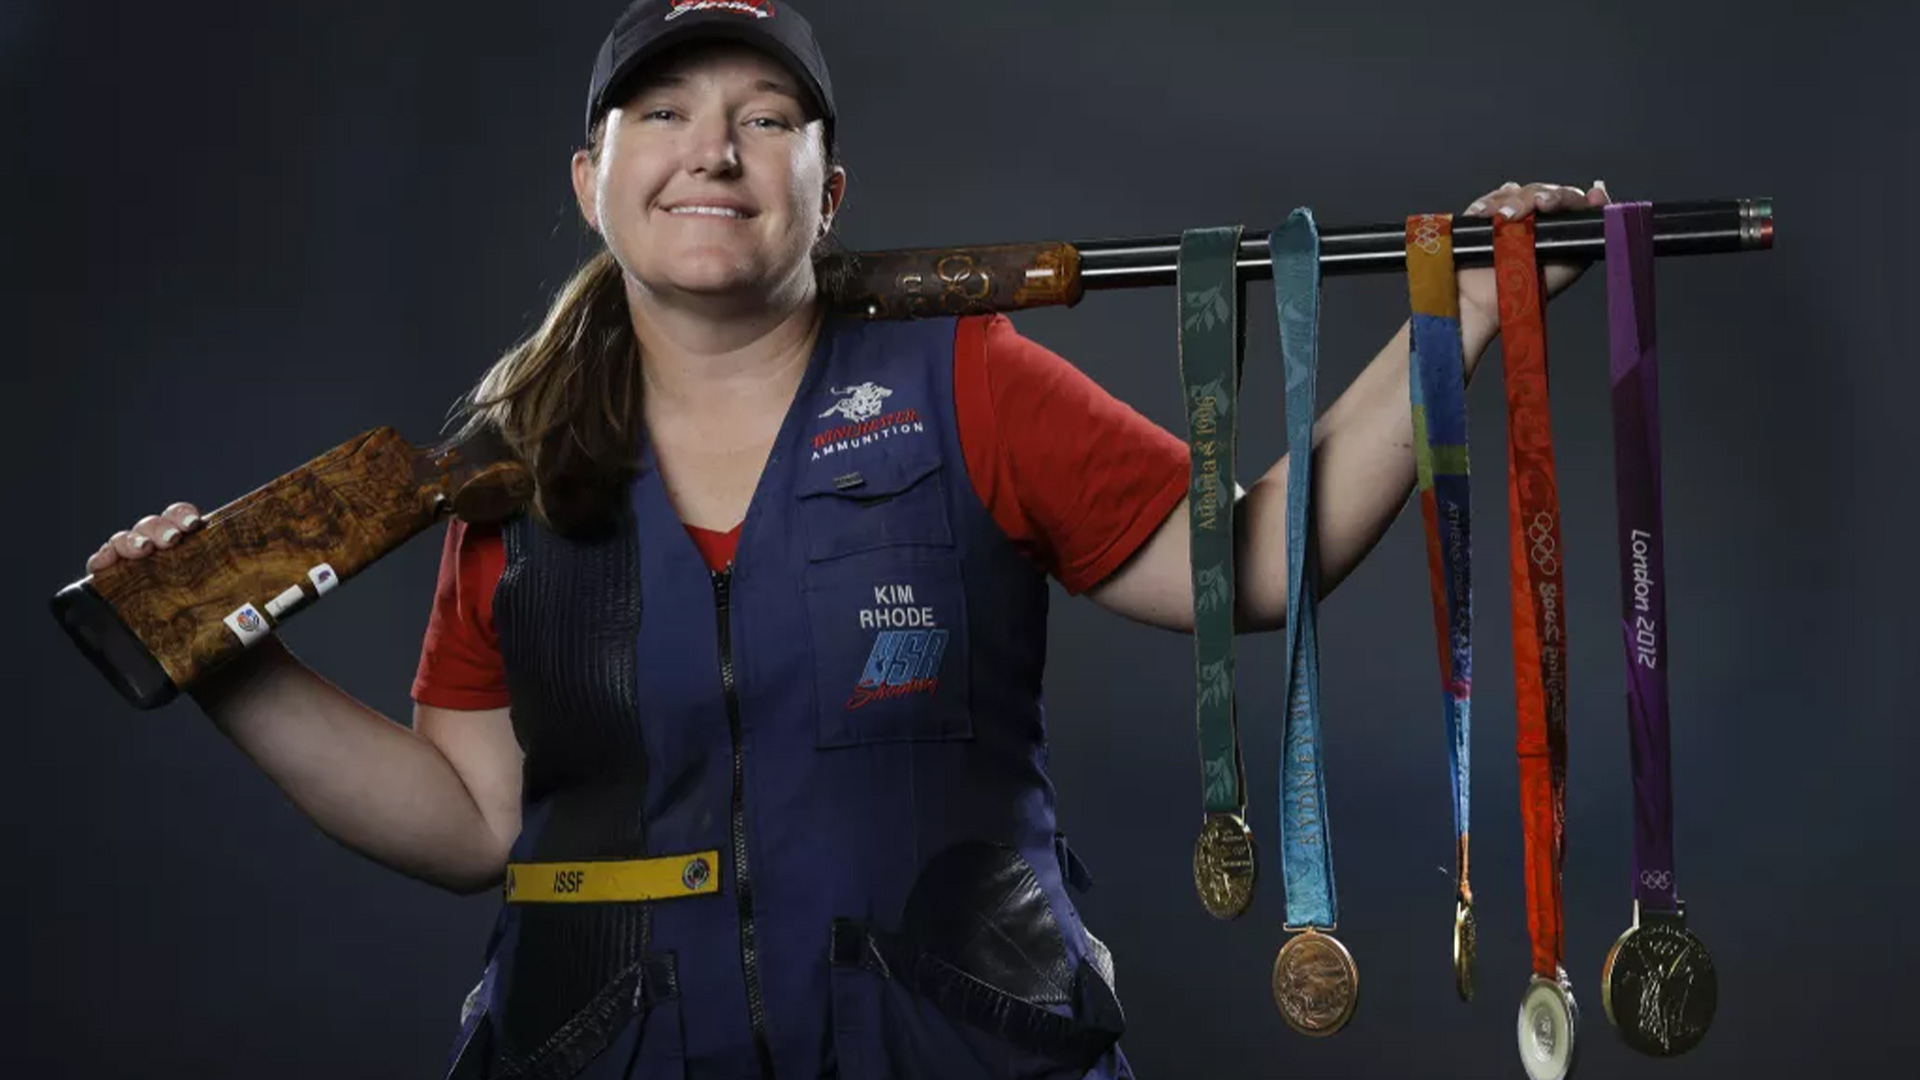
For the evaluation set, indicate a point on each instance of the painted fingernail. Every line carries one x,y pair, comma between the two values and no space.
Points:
1509,185
167,537
1507,211
1600,184
140,541
190,520
1542,197
1478,207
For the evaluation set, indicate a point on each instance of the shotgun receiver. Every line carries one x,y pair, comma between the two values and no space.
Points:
925,282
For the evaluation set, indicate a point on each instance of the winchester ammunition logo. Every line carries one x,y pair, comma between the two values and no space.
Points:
860,406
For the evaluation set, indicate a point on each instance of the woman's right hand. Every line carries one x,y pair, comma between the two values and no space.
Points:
149,534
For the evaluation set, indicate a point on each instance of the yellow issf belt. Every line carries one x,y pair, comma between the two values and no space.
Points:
667,877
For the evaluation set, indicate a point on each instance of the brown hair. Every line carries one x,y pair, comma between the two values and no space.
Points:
566,400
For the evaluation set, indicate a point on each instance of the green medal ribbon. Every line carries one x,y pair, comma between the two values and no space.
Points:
1212,342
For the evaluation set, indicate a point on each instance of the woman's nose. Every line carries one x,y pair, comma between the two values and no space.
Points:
712,148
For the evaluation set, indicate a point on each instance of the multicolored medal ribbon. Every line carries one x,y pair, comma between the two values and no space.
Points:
1315,982
1212,335
1437,386
1548,1013
1658,986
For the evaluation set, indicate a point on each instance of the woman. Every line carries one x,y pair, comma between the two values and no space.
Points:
744,715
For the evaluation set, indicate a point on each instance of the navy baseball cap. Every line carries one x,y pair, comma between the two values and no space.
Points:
648,28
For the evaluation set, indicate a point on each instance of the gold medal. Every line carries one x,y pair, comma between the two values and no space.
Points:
1223,865
1548,1019
1659,986
1466,941
1315,983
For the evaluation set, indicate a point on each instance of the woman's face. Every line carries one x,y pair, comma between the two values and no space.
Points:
710,179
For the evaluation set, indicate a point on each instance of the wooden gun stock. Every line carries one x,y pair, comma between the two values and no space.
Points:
158,625
923,282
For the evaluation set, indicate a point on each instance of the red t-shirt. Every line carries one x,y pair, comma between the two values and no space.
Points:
1075,477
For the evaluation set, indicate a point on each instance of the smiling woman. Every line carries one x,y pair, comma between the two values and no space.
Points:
744,714
712,181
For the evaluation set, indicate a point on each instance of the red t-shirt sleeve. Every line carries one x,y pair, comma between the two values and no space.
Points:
460,664
1072,474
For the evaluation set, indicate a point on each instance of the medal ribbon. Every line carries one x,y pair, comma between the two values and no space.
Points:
1437,385
1306,845
1212,332
1539,598
1643,620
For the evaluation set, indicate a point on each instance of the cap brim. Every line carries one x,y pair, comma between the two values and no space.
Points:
713,29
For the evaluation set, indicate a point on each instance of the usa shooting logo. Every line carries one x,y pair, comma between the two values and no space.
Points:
907,651
860,406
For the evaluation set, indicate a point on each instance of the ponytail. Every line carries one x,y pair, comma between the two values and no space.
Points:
566,402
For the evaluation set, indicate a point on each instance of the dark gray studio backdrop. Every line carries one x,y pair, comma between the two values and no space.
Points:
240,233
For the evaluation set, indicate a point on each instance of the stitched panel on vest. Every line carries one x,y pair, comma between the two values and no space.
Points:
567,615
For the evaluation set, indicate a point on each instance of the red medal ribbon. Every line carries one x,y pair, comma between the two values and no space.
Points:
1539,601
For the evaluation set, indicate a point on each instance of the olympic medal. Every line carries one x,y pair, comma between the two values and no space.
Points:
1548,1018
1659,987
1223,866
1466,942
1315,983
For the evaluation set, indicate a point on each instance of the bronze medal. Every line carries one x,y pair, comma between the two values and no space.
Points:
1548,1019
1659,986
1315,983
1223,866
1466,942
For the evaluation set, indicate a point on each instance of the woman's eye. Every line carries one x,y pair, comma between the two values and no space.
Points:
770,121
657,114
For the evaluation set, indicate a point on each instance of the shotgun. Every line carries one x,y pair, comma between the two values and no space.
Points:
157,626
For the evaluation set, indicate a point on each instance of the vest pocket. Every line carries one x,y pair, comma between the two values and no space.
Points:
887,502
901,1011
977,981
631,1026
886,607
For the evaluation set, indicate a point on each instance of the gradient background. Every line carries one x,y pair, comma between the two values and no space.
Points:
238,234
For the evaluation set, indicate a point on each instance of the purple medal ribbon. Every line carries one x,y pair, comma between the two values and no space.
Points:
1635,371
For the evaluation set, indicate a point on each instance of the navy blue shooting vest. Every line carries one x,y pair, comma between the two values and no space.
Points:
851,715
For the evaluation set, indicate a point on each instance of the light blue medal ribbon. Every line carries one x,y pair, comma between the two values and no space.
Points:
1315,981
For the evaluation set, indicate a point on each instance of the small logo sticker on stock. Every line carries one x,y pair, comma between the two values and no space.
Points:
323,578
247,624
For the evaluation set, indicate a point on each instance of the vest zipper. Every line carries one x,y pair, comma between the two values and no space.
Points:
743,881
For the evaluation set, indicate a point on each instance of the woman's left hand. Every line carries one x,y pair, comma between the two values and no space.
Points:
1479,298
